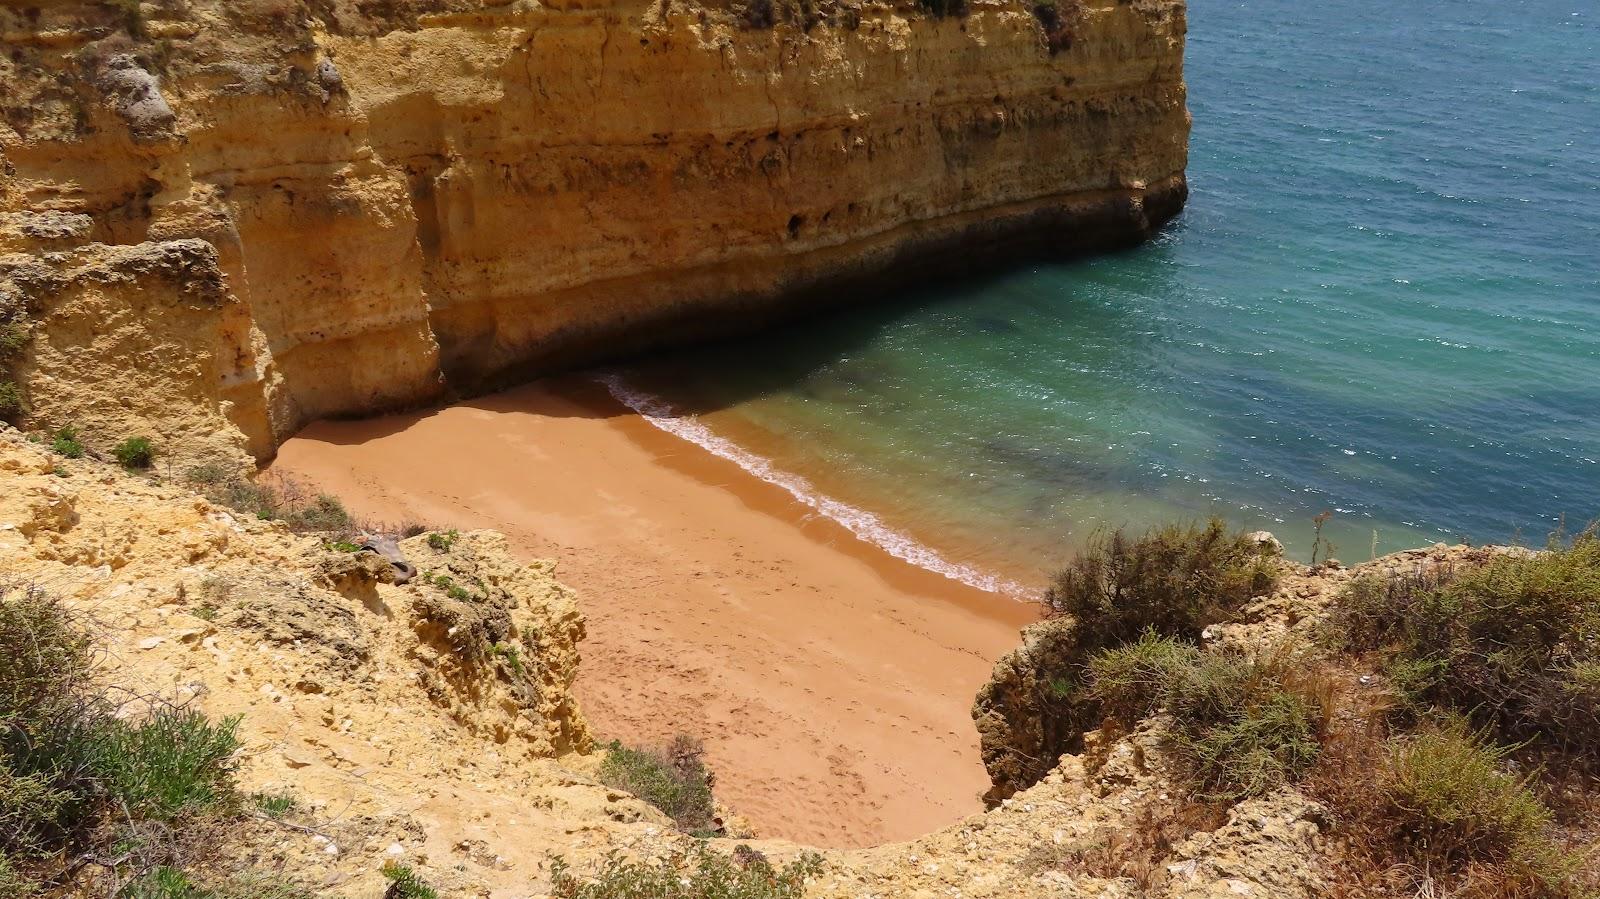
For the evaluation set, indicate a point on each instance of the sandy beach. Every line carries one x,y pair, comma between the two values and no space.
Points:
830,681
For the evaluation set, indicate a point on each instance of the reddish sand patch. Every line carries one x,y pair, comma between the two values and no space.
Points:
830,681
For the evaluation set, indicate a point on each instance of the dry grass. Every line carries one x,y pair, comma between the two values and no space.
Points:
273,497
1137,849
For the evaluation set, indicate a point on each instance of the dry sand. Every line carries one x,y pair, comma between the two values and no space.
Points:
830,681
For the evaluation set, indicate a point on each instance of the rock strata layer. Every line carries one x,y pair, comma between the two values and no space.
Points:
404,198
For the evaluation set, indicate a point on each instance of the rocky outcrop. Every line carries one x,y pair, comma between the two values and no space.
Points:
414,196
347,701
1021,732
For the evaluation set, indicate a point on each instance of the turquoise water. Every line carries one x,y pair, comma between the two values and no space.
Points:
1382,300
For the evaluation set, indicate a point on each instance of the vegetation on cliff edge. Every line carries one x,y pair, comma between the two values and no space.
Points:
100,793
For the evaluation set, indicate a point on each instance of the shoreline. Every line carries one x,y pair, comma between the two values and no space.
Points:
830,681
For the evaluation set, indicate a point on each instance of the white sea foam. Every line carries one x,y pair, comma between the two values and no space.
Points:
863,524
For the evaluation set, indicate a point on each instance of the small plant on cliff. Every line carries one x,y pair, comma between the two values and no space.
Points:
405,883
1457,791
14,336
1447,811
1172,582
135,452
1175,580
65,442
12,402
510,654
1243,724
443,540
1514,643
276,805
674,779
698,873
274,499
87,785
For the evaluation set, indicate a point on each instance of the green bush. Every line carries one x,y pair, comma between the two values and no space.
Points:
1460,804
1513,643
14,335
76,777
273,500
1243,724
1129,681
13,885
12,402
1168,584
173,883
163,883
404,883
1174,580
443,540
324,513
1248,725
65,442
135,452
174,762
674,780
695,874
52,720
276,805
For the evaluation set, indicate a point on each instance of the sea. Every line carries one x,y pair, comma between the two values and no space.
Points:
1381,302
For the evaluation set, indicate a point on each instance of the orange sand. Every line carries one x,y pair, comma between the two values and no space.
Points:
830,681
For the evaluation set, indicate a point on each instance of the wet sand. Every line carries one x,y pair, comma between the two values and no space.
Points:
830,681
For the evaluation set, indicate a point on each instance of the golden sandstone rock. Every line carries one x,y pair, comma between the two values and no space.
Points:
407,197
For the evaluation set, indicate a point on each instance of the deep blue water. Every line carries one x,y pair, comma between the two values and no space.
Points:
1383,299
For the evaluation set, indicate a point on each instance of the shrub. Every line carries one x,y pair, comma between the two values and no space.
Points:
276,805
163,883
52,718
12,402
1168,584
674,780
65,442
174,762
404,883
173,883
1513,643
1174,580
698,873
1243,724
14,335
78,781
12,883
1130,681
1248,725
443,540
135,452
324,513
274,499
1458,805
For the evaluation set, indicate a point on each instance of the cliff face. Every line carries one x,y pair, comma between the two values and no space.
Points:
403,196
395,717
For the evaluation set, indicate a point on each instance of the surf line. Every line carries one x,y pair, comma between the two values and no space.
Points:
863,524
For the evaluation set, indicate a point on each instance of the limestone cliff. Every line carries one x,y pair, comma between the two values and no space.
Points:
396,717
403,197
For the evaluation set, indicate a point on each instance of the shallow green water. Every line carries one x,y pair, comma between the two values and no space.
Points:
1383,299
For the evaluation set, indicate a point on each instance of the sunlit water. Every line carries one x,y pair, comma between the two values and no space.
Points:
1382,300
